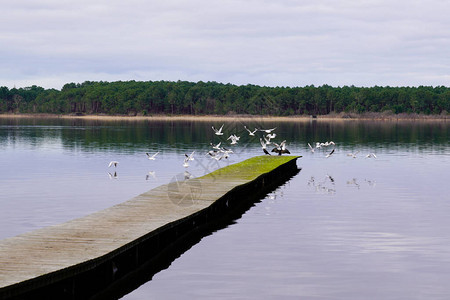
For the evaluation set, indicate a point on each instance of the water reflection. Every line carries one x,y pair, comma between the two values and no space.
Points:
112,175
379,220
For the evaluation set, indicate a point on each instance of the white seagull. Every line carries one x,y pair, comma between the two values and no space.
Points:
218,132
234,139
371,155
217,147
190,157
268,130
311,148
252,133
271,136
113,163
152,157
263,146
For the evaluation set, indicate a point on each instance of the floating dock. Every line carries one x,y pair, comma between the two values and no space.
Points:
82,258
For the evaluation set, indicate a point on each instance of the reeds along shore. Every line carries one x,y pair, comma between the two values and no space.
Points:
299,118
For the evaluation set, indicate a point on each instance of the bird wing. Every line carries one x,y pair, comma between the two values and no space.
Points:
263,144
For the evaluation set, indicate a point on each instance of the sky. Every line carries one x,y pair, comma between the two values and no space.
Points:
269,43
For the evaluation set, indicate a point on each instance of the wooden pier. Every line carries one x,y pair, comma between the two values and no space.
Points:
82,258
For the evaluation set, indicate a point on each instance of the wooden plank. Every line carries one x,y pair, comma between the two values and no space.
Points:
75,243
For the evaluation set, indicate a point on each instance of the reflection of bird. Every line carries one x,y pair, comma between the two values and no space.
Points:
150,174
112,176
331,178
263,146
268,130
186,161
218,132
187,175
113,163
329,154
371,155
281,148
311,148
252,133
353,154
152,157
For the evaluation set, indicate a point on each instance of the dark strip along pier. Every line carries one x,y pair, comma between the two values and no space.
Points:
109,253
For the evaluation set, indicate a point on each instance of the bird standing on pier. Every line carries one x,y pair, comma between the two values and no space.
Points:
281,148
263,146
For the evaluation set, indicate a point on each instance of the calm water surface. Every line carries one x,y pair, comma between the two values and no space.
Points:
342,228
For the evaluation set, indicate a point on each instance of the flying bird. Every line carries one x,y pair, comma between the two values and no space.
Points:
217,147
252,133
371,155
311,148
268,130
218,132
234,139
190,157
152,157
113,163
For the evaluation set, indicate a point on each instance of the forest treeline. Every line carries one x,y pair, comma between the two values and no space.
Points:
200,98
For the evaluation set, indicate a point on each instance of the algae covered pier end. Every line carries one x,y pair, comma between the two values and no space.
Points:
107,252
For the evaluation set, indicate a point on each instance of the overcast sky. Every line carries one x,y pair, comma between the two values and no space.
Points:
274,43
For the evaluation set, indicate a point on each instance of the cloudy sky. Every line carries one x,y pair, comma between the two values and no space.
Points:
274,43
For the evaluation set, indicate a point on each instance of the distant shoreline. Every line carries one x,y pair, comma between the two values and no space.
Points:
300,118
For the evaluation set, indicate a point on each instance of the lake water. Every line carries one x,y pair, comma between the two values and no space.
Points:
342,228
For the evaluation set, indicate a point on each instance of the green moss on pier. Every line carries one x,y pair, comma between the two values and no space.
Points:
251,168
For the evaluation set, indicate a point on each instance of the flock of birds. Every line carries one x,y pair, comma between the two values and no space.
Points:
266,136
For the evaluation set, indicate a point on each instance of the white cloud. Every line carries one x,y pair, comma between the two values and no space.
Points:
294,43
